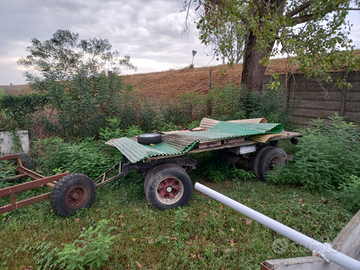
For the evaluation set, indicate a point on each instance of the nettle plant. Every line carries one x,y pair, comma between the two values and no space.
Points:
91,250
326,157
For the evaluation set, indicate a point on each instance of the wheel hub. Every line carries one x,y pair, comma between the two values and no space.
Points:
273,163
169,190
76,197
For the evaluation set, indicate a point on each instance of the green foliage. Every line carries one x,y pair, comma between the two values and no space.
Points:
72,74
316,32
20,109
45,255
7,170
180,218
227,103
350,193
112,131
326,157
91,249
212,235
272,105
233,102
238,174
218,170
89,157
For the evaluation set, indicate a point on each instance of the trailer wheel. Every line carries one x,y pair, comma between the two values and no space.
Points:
269,158
149,138
27,161
168,186
256,160
71,193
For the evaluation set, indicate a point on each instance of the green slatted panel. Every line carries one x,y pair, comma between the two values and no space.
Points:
183,142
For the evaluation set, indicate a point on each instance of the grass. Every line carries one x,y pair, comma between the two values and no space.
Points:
2,91
204,234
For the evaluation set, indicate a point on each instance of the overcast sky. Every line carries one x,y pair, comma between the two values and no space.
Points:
148,30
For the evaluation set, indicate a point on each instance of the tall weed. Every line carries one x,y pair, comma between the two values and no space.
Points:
326,157
88,156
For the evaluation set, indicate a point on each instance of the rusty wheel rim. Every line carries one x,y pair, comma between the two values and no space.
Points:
169,190
273,162
76,197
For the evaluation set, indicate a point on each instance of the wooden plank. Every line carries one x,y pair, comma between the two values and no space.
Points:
320,105
314,113
306,95
209,144
234,141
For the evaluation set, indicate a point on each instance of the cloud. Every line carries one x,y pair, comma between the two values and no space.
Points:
147,30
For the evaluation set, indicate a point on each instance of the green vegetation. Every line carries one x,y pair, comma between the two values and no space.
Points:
74,117
2,91
315,32
326,157
122,231
204,232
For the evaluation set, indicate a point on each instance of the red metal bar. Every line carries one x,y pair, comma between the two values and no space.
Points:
264,267
16,205
30,185
11,191
29,173
8,157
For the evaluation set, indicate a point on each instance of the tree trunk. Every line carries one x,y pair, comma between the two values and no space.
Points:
253,71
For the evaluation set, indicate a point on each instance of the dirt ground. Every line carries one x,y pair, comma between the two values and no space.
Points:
174,82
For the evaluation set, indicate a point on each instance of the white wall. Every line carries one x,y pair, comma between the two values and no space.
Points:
6,142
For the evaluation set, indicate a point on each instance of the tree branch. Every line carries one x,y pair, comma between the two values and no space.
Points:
302,19
299,9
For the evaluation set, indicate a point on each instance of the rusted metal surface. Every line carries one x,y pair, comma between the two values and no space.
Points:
9,157
39,181
264,267
11,191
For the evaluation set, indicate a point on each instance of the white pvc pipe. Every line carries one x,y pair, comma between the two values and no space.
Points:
325,250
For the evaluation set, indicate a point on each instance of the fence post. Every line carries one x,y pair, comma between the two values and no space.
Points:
344,94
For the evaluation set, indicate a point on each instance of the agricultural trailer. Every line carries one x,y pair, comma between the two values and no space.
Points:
162,158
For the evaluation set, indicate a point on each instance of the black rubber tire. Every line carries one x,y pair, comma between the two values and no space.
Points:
149,138
256,159
27,161
165,176
72,185
268,159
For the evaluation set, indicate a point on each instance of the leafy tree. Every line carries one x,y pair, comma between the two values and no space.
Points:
72,71
311,30
65,55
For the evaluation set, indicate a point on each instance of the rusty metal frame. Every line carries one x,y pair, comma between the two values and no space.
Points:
263,266
39,181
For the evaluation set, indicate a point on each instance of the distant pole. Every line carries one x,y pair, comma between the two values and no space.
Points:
193,54
210,79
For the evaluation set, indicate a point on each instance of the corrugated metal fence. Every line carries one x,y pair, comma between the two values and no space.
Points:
321,99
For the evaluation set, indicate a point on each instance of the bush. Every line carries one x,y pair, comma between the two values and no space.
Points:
91,250
350,193
18,111
326,157
89,156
